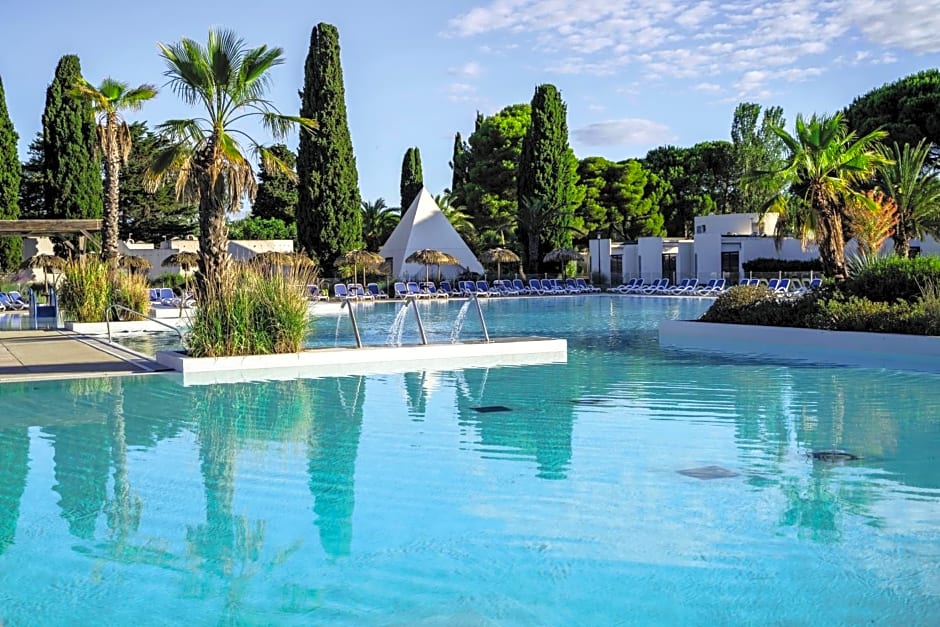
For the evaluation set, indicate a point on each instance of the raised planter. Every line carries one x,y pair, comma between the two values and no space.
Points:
368,360
845,348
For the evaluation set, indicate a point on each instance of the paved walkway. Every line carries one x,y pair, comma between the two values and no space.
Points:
50,354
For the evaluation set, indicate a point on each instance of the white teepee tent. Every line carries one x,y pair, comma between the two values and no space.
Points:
424,226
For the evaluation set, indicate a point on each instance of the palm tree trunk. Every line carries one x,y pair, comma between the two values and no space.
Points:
830,239
213,231
902,244
109,230
533,251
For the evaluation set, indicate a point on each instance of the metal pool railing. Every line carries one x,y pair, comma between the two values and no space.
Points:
115,307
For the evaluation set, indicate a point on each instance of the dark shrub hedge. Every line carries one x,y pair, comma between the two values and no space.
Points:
892,278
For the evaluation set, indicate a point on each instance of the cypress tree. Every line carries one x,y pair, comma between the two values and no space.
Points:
548,169
11,248
460,165
73,187
412,179
329,220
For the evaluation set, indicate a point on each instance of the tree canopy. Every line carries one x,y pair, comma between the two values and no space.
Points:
412,178
277,188
908,110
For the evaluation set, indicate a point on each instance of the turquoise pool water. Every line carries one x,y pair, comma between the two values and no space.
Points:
388,500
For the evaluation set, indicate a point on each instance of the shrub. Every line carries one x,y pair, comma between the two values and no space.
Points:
891,278
734,304
860,314
170,279
85,291
256,311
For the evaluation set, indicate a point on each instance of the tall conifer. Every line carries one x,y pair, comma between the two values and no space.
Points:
11,248
548,168
412,178
329,220
73,187
459,163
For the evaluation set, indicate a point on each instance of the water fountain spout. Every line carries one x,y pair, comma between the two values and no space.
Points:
352,318
414,301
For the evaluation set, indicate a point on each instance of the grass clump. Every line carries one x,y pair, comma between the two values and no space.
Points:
257,310
85,291
131,291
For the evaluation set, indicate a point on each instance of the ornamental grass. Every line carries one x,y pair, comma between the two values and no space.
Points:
257,310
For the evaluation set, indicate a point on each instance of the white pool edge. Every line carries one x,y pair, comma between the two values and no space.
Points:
322,362
842,348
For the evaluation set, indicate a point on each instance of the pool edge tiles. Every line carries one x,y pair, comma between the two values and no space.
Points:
325,362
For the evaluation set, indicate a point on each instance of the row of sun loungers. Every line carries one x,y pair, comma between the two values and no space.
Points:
167,297
428,289
714,287
12,301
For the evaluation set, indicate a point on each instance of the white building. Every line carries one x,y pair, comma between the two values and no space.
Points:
719,248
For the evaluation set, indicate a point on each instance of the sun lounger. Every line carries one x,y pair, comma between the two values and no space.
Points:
535,287
659,286
431,290
585,286
359,292
9,304
314,293
484,289
520,287
342,292
18,299
400,290
375,291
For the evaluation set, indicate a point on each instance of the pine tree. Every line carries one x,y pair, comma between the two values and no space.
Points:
329,220
548,169
73,187
277,190
11,248
412,179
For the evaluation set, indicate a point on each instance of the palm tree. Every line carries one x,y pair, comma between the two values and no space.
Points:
378,222
825,165
457,217
230,81
108,101
915,187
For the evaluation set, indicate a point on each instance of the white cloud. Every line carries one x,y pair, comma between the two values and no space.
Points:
625,132
906,24
461,92
471,69
712,88
726,43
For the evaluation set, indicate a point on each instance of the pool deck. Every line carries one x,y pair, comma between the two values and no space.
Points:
51,354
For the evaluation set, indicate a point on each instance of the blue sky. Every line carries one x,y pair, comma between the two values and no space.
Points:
635,74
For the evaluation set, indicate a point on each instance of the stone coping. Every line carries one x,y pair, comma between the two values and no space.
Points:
327,362
809,346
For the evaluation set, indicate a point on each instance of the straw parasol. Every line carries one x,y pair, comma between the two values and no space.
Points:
429,256
48,263
134,263
185,260
273,258
360,257
563,255
499,256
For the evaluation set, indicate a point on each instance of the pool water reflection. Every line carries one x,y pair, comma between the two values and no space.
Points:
394,499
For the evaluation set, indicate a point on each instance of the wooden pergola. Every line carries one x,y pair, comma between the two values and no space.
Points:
38,228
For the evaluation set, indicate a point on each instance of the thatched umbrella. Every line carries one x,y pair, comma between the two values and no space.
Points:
564,255
499,256
273,258
185,260
429,256
48,263
134,263
360,257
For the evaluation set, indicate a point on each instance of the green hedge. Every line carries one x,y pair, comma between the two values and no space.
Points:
892,278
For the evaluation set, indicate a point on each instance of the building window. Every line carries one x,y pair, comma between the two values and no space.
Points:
700,228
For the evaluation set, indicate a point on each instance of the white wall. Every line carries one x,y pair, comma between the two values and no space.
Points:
736,224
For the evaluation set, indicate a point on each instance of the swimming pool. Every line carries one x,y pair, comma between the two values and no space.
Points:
523,495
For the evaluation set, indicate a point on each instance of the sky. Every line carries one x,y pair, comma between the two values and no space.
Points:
635,74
